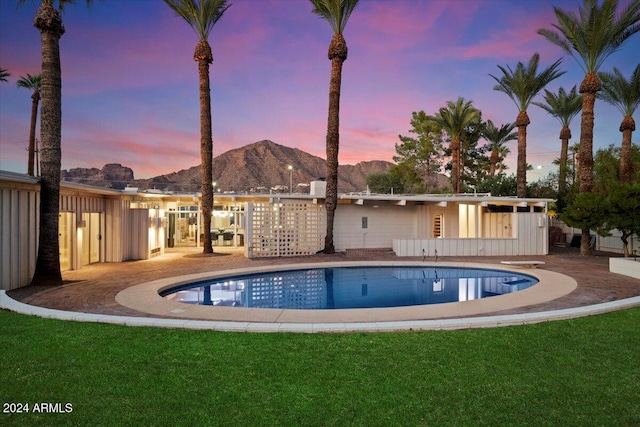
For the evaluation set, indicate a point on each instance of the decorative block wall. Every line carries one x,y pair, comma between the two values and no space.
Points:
284,229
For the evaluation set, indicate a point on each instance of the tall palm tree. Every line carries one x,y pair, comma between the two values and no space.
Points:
497,138
4,73
591,37
454,119
522,85
564,107
33,83
337,13
202,15
625,96
48,21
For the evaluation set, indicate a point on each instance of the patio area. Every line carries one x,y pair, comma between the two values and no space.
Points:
93,290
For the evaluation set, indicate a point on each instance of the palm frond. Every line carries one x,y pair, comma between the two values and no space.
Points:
456,116
336,12
201,15
498,136
595,33
563,106
621,93
30,81
524,83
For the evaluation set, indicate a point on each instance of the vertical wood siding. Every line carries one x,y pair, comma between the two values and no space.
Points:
18,236
531,239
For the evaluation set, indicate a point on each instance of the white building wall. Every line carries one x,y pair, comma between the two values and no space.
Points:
530,240
384,223
117,230
139,231
19,207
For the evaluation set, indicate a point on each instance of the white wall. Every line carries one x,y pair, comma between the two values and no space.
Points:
385,223
531,240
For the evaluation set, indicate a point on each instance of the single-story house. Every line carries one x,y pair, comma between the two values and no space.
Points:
108,225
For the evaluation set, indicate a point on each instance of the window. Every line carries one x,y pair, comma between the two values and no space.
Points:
437,226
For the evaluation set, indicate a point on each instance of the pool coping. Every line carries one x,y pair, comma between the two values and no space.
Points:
145,297
9,303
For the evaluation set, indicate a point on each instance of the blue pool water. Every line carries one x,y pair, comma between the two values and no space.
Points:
351,287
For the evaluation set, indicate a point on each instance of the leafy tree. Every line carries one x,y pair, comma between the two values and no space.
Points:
498,185
4,74
497,137
623,212
33,83
454,119
591,36
337,13
522,85
625,96
587,211
422,154
202,16
564,107
383,182
612,204
546,187
474,158
606,164
48,21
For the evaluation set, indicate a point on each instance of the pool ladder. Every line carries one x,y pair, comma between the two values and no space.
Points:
424,255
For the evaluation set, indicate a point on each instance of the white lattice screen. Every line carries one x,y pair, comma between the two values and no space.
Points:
284,229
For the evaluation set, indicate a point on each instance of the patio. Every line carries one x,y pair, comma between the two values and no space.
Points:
93,289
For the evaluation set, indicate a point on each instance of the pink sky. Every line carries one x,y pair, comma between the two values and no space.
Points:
130,85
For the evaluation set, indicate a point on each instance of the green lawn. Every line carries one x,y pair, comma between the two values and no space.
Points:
583,372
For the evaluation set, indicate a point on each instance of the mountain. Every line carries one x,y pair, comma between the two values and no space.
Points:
259,167
112,175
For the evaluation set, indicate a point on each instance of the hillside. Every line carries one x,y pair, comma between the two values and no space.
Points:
256,167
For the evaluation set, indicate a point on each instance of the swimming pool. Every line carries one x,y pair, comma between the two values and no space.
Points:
351,287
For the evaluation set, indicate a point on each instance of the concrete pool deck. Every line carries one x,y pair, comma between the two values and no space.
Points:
126,293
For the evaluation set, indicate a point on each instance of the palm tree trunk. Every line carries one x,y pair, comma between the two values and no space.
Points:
204,58
627,127
522,121
47,271
455,164
493,160
32,131
589,87
565,135
521,174
337,54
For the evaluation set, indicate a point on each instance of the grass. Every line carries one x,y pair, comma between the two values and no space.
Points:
582,372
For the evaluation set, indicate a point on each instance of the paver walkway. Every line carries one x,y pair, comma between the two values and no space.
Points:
93,289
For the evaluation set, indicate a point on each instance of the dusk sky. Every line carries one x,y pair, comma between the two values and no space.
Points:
130,84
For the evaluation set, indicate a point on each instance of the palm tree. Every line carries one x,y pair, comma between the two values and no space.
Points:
4,73
33,83
625,96
591,37
48,21
503,152
202,15
337,13
564,107
522,85
454,119
497,138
